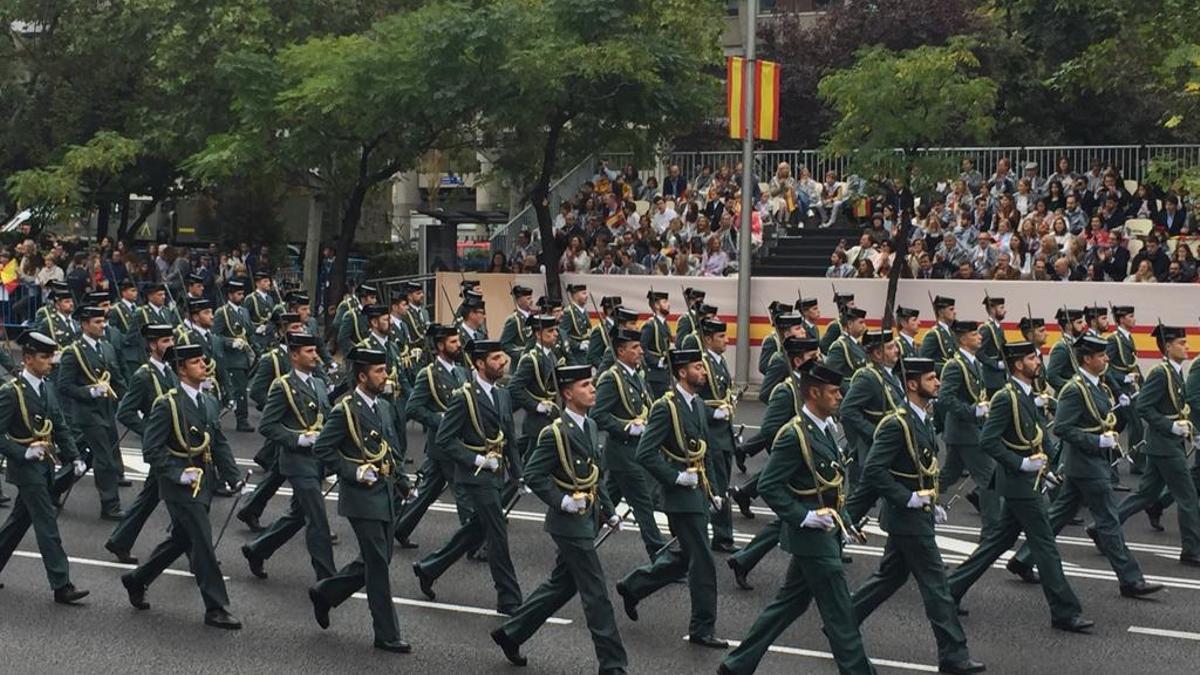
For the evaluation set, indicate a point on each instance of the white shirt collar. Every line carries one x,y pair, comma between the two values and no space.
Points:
524,314
234,306
367,398
908,338
920,412
687,398
545,350
471,332
162,367
264,294
196,327
716,356
193,394
629,369
64,317
1177,366
485,385
91,341
1094,379
1027,388
1122,331
969,355
446,364
579,420
304,377
32,379
943,324
382,338
129,304
821,424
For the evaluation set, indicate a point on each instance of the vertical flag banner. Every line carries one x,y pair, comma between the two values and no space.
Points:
766,104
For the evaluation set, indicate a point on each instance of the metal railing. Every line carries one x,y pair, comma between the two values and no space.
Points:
504,238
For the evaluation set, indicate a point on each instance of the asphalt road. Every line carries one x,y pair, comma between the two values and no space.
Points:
1008,628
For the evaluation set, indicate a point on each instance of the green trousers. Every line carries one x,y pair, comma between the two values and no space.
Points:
981,467
1170,473
190,535
34,506
106,468
238,378
125,534
919,556
576,570
635,487
694,558
821,579
306,510
1097,496
1028,516
722,521
369,569
763,543
257,502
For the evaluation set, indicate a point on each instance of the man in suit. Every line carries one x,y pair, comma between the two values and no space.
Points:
37,438
908,322
351,324
802,483
720,403
1173,218
1087,424
515,336
1013,436
901,467
622,408
564,471
90,376
187,450
232,327
296,407
656,344
576,325
478,437
358,443
684,476
145,385
991,351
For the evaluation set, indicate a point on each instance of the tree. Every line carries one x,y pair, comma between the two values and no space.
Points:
892,107
586,75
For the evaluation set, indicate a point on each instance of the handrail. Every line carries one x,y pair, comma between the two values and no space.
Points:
526,219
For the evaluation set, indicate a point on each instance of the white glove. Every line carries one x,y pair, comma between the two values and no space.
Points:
569,504
388,388
98,391
614,522
1123,399
721,413
239,344
416,354
981,409
412,495
1130,378
206,384
1181,428
1040,401
333,366
366,474
262,329
543,407
35,452
1029,465
247,488
687,479
189,476
636,429
817,521
488,463
56,358
662,363
306,440
80,468
583,345
916,501
1108,441
718,503
939,515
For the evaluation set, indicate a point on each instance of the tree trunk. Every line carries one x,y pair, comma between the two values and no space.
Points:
351,216
540,198
103,217
900,242
127,229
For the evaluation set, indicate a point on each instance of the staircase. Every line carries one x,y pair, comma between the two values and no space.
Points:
804,253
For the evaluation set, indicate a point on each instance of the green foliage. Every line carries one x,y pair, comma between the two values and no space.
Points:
392,263
62,190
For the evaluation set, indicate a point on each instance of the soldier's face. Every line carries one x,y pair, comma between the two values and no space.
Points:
856,327
296,327
380,324
161,345
630,353
1028,366
193,370
236,297
370,299
971,340
548,337
581,394
824,399
304,311
1078,326
891,353
129,294
1127,322
1096,363
417,297
926,386
493,367
203,318
451,347
693,375
795,331
66,306
812,313
910,324
94,328
39,364
579,297
373,378
1177,349
950,314
716,342
305,358
999,312
525,302
196,289
157,298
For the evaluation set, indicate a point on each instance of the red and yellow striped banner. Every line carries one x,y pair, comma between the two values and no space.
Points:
766,103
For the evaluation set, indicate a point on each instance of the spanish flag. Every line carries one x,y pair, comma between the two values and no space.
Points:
766,103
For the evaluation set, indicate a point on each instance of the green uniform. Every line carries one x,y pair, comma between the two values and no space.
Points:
313,328
218,379
533,386
261,307
62,329
769,348
232,323
939,344
123,315
1122,362
1193,398
803,473
1015,429
777,372
144,387
903,460
566,461
144,315
348,303
962,390
183,433
656,344
991,356
355,434
874,392
465,337
672,421
271,365
352,329
811,331
417,320
1063,364
398,387
717,392
516,337
573,333
84,365
684,326
474,425
621,399
600,350
294,405
1084,409
846,355
832,332
1160,403
908,348
24,414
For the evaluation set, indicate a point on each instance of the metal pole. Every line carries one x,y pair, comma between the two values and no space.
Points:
743,290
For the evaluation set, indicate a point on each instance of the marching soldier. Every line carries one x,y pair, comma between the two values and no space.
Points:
90,376
298,303
432,392
1063,366
37,437
803,484
874,392
410,351
810,310
516,334
564,472
842,301
964,398
60,324
198,329
720,403
599,340
1125,377
902,468
1096,318
621,411
846,354
695,339
656,344
47,310
358,443
939,344
112,334
788,324
674,450
991,351
194,290
532,386
124,315
188,452
260,307
477,435
273,363
297,406
1162,403
147,383
1013,436
626,319
155,310
785,404
417,317
770,344
908,322
379,339
576,325
1087,424
353,302
352,325
689,322
471,327
232,327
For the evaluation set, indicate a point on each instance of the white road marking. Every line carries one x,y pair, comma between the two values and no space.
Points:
101,563
812,653
1182,635
464,609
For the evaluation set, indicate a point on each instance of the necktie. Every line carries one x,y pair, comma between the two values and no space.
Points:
829,435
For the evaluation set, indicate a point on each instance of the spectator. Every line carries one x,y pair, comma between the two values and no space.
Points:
499,263
682,266
1173,219
1143,274
788,204
1143,204
575,258
1001,182
1186,259
1025,197
1111,215
663,215
674,185
1063,174
884,256
525,245
925,268
704,180
607,264
864,269
1152,252
628,264
655,257
715,260
864,251
983,256
1065,271
970,177
833,195
965,272
1175,274
951,253
1077,218
839,266
1056,199
1004,271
